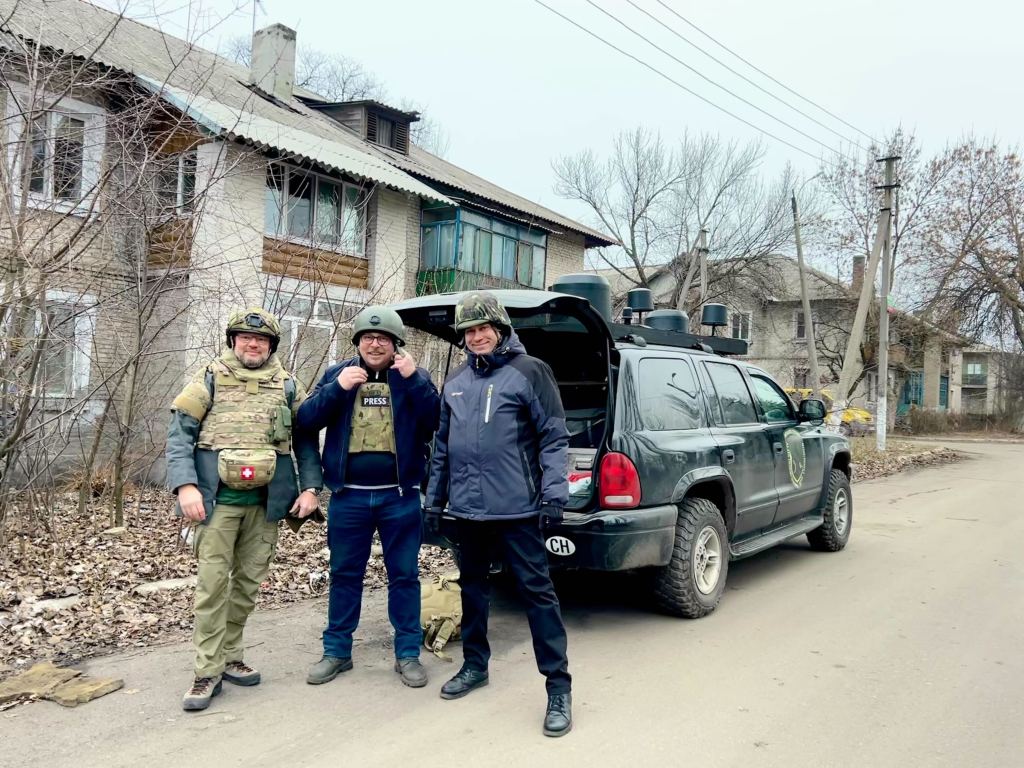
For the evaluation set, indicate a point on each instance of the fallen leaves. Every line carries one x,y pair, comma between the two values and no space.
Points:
103,573
869,463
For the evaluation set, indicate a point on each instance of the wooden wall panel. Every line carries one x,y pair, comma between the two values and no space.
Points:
305,263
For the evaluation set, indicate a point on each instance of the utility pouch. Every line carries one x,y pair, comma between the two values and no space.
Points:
245,469
281,424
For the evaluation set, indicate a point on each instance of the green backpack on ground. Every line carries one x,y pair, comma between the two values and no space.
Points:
440,612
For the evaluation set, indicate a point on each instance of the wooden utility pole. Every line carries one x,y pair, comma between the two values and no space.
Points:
882,412
812,347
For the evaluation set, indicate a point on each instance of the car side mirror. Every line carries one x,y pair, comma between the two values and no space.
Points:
812,410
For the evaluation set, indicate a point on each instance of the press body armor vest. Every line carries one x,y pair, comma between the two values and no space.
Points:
373,428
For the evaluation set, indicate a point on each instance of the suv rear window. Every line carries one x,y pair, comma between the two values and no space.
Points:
669,395
733,396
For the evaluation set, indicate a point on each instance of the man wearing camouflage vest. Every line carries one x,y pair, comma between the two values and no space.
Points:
380,412
229,462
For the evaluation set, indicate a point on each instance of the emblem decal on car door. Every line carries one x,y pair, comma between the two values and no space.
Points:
796,456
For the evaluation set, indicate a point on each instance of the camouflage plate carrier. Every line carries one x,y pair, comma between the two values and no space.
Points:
372,422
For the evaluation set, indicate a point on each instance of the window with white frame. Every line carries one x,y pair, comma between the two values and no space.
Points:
176,182
66,327
739,325
313,209
313,333
61,142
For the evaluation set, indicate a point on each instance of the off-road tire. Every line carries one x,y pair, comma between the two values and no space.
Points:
676,591
838,512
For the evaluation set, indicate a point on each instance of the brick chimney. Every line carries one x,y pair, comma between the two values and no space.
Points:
858,274
273,61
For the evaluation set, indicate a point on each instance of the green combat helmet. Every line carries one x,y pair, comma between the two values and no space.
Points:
254,320
379,318
480,307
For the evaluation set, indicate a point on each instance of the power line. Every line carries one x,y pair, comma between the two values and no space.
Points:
744,77
762,72
676,83
701,75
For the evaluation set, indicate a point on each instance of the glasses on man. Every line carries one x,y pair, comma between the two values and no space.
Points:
380,339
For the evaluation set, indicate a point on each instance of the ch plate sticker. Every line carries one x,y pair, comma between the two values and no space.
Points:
559,545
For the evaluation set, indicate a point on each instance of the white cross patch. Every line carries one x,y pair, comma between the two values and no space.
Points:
248,473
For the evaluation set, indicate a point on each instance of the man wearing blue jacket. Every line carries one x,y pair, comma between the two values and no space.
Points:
499,464
380,412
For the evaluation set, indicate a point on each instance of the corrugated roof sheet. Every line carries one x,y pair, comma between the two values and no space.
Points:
200,76
425,165
213,89
268,134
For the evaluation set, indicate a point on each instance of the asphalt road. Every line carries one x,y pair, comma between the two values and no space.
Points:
905,649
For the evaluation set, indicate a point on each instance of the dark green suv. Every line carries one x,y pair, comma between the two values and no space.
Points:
681,458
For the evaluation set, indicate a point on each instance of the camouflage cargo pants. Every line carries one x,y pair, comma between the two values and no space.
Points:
234,551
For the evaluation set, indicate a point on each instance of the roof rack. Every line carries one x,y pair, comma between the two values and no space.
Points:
641,335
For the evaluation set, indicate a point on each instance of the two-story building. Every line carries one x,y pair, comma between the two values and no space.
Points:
152,186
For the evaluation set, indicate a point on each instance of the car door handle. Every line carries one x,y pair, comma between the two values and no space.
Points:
728,456
778,447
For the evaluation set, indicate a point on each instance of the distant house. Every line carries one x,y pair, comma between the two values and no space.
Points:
765,309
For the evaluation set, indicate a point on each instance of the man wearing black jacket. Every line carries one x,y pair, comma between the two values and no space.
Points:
499,464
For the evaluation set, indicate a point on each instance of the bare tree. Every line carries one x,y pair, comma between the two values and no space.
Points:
656,201
627,194
850,186
746,219
973,277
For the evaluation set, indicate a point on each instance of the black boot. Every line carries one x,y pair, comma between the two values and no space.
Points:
558,718
465,681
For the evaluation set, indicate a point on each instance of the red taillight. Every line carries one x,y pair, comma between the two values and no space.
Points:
618,482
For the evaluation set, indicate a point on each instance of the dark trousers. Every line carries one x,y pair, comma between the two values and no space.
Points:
352,517
520,546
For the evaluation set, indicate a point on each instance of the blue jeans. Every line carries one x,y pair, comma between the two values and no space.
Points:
352,517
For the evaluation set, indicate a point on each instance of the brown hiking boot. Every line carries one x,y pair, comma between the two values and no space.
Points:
240,673
198,696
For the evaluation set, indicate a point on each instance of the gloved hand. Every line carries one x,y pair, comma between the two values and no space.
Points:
550,515
432,520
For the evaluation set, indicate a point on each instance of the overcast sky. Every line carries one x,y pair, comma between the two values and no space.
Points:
515,86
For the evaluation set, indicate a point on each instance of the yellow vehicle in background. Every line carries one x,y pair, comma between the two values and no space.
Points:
854,421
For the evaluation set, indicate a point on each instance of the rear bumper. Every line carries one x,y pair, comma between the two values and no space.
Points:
606,540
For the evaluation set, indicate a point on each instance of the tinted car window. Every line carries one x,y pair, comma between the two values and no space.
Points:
733,396
669,395
774,403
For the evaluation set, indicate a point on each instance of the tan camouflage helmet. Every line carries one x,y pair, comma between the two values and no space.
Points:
478,308
382,319
254,320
